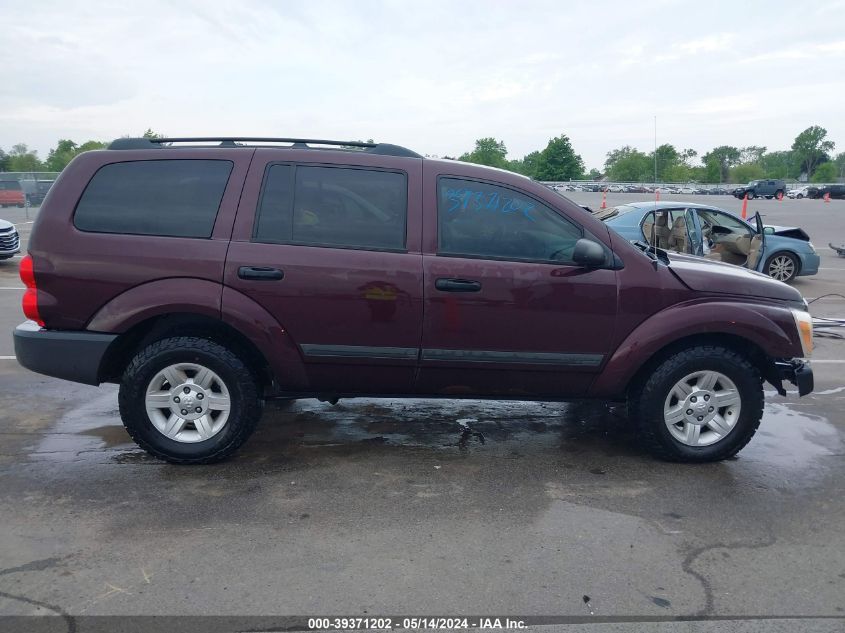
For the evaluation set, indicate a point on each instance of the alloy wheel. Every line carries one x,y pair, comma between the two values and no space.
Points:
702,408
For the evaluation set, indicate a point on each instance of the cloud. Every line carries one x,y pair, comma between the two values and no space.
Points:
434,75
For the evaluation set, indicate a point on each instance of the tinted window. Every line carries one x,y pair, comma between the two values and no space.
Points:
177,198
10,185
483,220
334,206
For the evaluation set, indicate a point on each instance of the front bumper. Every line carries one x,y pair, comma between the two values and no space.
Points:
75,356
796,371
809,264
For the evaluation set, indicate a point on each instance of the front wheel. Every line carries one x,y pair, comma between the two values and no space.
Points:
189,400
800,195
782,266
702,404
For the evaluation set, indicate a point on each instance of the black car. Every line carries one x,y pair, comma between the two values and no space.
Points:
835,191
36,191
762,189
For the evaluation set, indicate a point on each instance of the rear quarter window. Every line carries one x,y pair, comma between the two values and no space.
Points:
173,198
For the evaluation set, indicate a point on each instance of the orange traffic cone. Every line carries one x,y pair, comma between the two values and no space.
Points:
604,199
827,198
745,206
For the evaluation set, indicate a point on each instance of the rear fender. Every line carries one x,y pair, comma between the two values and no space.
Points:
156,298
770,327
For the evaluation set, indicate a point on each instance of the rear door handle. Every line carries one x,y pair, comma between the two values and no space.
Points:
457,285
260,273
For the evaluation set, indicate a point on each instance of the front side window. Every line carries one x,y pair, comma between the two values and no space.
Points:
479,219
333,206
175,198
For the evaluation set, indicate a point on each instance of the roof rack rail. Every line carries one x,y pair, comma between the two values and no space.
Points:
384,149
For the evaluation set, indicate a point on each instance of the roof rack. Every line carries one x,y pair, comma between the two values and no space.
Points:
383,149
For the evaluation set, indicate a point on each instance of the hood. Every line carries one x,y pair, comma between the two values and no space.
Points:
5,225
706,275
790,231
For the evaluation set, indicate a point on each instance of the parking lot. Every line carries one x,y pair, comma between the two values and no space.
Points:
382,506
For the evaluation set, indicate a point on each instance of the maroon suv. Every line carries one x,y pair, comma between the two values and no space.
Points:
205,275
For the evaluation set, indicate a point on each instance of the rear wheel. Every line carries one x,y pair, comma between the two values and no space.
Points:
189,400
782,266
799,196
701,404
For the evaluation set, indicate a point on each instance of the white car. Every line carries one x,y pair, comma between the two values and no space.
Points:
616,189
799,193
688,190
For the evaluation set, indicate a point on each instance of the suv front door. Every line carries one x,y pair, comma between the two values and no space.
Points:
332,251
507,312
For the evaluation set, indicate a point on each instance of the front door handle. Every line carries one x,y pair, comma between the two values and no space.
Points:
260,273
457,285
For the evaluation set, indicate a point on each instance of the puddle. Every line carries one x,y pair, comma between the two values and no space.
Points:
791,442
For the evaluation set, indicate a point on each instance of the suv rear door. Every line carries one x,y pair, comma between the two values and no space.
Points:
506,309
332,251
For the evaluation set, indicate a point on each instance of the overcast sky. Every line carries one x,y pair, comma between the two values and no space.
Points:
431,75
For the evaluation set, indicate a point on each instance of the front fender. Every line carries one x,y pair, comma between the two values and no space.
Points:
769,327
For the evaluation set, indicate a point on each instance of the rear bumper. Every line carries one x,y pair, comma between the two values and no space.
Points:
798,372
75,356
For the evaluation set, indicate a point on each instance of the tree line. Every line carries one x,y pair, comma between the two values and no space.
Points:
811,154
21,158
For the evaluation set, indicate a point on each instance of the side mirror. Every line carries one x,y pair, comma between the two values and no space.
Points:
769,230
588,254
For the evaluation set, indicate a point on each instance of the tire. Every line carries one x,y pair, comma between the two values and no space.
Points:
782,266
739,382
799,196
208,436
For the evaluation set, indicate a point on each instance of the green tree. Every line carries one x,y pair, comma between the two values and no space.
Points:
559,161
779,164
812,148
4,160
61,155
747,172
150,134
22,159
667,158
679,172
87,146
839,161
488,151
712,171
628,164
726,156
687,155
826,172
527,165
593,174
751,154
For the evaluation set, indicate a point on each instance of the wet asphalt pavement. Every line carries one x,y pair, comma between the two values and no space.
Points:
427,507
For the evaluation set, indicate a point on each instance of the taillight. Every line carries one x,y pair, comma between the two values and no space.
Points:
30,297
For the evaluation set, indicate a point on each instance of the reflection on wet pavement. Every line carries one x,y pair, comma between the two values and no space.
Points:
788,439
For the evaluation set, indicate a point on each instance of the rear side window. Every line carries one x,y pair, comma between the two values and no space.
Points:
478,219
175,198
10,185
333,206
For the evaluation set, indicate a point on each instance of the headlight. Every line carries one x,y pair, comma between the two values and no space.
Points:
804,323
